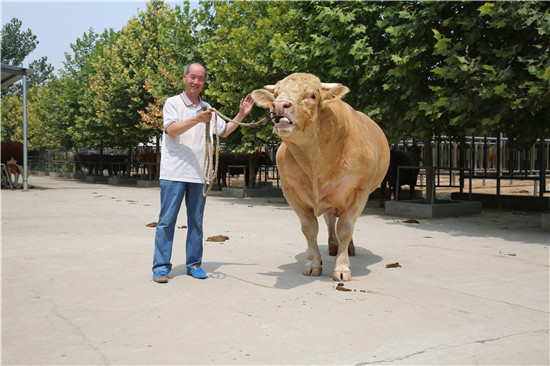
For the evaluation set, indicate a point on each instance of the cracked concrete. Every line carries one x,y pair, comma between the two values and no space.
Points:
77,289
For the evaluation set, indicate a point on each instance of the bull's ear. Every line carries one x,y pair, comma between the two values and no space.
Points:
335,93
327,86
263,98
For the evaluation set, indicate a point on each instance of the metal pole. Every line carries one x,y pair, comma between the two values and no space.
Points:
498,163
397,184
542,171
25,157
432,198
485,159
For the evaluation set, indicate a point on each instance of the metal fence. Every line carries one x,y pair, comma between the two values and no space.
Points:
487,158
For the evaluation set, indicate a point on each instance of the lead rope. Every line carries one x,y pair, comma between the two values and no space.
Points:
210,170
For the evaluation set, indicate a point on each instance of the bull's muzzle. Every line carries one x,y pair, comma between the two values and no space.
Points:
280,121
282,107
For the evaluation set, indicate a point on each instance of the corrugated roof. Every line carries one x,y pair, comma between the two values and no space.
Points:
12,74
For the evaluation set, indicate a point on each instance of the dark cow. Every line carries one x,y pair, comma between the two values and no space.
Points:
150,163
12,156
226,159
96,163
411,157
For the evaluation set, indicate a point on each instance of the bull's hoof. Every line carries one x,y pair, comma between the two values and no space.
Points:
311,270
332,250
341,275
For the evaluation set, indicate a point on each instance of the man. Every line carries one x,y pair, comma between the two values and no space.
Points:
181,170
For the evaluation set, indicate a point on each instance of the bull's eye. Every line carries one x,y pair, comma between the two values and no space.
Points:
313,96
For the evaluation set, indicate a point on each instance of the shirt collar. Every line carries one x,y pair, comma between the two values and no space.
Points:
188,103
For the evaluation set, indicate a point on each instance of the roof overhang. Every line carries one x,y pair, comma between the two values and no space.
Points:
12,74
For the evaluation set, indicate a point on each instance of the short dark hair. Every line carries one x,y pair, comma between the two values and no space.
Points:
186,71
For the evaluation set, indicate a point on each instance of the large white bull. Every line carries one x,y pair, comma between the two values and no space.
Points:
332,157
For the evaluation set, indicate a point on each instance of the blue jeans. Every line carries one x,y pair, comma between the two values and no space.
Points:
171,197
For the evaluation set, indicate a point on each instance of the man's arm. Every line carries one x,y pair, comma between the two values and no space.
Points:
180,127
244,108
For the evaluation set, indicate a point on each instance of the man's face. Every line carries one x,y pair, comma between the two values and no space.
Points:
194,81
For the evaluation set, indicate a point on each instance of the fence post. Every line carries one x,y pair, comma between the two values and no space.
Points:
542,171
498,163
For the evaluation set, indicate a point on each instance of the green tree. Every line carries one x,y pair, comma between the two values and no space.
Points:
62,105
44,72
16,46
495,75
117,84
57,112
12,120
82,69
16,43
239,58
11,106
177,34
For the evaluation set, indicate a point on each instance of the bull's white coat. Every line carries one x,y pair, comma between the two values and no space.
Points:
332,157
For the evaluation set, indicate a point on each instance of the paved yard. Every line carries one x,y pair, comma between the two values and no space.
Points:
77,288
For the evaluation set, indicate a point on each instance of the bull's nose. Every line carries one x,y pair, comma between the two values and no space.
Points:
281,107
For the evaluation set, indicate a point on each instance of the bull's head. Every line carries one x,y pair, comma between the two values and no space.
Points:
297,101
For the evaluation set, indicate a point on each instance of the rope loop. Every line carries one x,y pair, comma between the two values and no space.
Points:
211,163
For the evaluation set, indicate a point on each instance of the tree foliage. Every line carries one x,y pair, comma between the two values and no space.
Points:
16,46
16,43
239,58
495,72
420,69
177,36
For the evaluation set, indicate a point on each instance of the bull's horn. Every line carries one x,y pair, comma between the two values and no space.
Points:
270,88
327,86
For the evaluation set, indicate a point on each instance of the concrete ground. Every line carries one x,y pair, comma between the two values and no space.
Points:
77,288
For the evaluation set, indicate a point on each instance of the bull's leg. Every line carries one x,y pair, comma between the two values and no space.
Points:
342,271
16,179
351,248
333,243
310,228
13,169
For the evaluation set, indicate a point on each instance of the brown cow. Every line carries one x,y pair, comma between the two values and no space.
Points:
150,162
12,156
327,149
97,163
411,157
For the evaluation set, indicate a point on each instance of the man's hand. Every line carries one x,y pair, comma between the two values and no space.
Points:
246,105
204,117
244,108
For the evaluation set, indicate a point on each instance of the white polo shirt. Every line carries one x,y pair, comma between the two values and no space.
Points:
182,156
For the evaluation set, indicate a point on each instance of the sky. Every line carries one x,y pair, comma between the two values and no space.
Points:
57,24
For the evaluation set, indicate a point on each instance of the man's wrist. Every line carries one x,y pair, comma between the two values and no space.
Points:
239,117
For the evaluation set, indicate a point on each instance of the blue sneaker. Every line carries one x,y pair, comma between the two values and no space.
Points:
160,277
197,273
